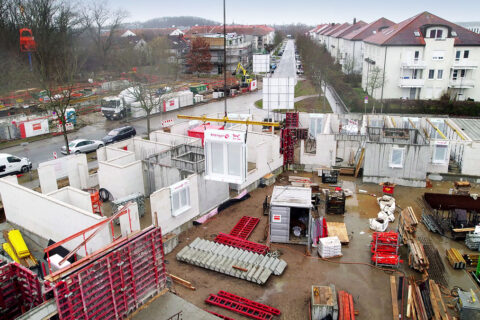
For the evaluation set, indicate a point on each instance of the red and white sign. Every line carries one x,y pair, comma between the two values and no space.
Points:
54,155
170,104
253,85
224,136
68,126
33,128
276,218
167,123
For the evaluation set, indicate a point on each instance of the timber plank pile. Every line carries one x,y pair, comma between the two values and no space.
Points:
455,259
471,259
424,301
417,258
408,220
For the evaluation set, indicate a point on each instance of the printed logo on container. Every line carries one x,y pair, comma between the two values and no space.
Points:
276,218
37,126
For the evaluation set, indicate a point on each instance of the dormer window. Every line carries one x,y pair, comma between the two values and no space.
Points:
436,33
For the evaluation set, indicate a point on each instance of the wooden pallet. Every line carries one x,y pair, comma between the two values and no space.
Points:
455,259
338,229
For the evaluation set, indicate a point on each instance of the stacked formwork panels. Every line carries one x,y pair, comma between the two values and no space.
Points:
116,283
289,137
20,291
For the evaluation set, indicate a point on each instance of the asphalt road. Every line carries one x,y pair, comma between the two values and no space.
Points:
42,150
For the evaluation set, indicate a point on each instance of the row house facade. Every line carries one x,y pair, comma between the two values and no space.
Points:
423,57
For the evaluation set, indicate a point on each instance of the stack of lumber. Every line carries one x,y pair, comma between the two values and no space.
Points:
424,301
471,259
417,258
345,306
300,181
17,249
455,259
408,220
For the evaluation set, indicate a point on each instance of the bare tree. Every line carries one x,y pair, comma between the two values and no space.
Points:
147,101
198,59
348,65
375,79
102,25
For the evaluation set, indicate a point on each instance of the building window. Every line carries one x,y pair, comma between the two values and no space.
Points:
431,74
438,55
440,153
457,55
417,55
439,74
396,157
180,197
466,54
436,33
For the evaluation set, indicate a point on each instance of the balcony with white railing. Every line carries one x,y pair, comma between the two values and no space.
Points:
411,83
462,83
414,64
465,64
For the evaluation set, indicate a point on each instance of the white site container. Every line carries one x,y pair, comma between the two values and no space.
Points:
198,98
170,104
185,98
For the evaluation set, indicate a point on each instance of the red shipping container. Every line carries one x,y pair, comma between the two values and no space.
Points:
199,131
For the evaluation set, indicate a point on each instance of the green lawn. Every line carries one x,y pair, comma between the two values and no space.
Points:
313,105
305,88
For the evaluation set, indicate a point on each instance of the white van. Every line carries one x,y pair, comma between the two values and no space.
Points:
10,164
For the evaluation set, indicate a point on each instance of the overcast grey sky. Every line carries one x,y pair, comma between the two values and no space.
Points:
307,11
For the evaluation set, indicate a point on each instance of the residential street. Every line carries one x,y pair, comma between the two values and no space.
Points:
40,151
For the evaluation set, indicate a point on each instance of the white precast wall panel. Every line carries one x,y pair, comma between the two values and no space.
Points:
261,63
278,93
50,218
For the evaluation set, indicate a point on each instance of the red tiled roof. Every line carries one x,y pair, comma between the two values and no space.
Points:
402,34
369,29
257,30
329,28
337,28
341,33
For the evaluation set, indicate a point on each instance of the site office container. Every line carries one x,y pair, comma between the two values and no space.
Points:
199,131
289,210
33,128
198,88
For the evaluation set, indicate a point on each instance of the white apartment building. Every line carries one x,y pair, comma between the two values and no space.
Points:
423,57
337,47
322,35
351,45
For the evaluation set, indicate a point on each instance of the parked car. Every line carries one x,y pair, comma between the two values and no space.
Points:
119,134
83,146
10,164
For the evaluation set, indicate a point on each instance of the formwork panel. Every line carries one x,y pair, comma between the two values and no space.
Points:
116,284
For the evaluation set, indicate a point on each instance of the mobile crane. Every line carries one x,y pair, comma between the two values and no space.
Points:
246,78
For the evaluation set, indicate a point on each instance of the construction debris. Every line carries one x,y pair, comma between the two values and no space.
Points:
417,258
425,301
408,220
455,259
183,282
222,258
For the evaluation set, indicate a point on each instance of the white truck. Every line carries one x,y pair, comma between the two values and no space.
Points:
119,107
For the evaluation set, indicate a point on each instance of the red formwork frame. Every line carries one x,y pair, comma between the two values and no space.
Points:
239,308
115,284
20,290
248,302
240,243
244,227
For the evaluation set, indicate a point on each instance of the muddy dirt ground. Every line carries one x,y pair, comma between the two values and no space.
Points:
291,291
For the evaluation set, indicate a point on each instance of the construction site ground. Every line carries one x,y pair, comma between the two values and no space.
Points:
291,291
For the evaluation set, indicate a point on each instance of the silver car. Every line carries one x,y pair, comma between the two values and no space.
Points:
83,146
